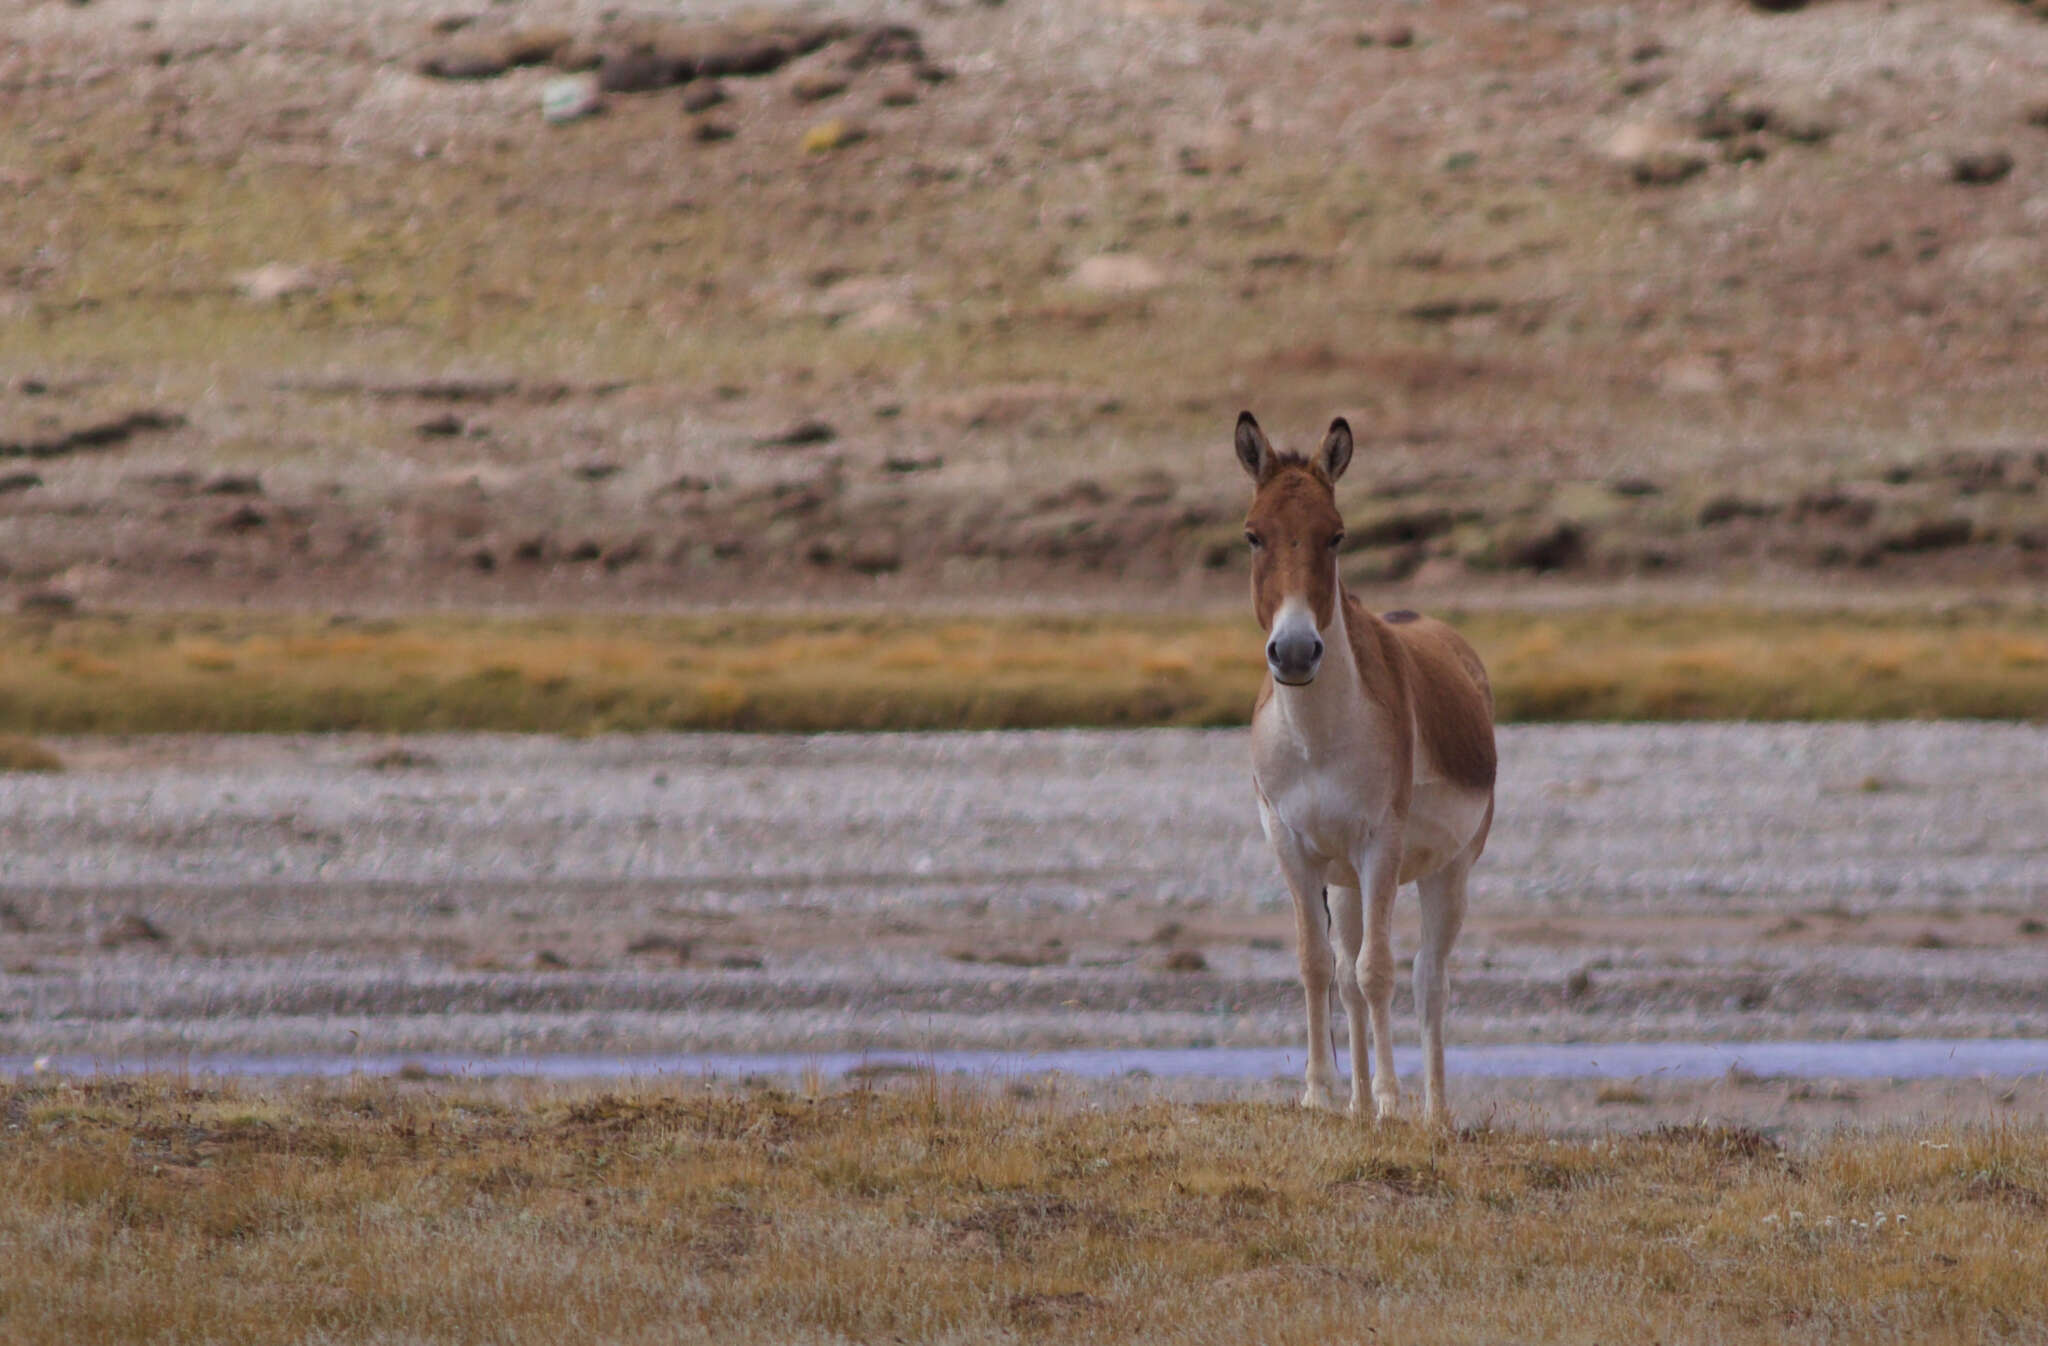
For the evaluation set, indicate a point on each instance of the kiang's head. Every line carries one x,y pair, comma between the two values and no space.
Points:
1294,530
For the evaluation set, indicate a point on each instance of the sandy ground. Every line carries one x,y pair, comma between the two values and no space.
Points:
1001,891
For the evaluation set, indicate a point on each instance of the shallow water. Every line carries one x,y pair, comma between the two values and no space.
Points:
1898,1059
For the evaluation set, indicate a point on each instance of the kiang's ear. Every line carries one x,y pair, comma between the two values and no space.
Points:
1252,449
1336,455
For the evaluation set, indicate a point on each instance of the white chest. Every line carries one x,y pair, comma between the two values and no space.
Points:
1331,785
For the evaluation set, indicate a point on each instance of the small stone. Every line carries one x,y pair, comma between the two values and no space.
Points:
667,946
1746,150
1563,547
2037,115
711,132
1397,36
1656,153
1802,126
277,280
1634,140
1723,508
1777,6
818,85
234,483
444,426
899,93
399,758
1930,535
1980,168
836,134
746,56
875,555
1667,168
544,960
1118,273
534,46
884,43
594,471
241,519
1185,960
635,70
570,98
19,481
800,435
1724,118
132,928
703,95
1643,81
468,59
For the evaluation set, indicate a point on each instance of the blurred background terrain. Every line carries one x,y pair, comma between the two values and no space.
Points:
310,305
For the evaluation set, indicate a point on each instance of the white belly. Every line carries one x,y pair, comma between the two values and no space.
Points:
1334,820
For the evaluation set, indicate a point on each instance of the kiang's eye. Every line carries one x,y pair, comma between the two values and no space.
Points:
1337,540
1253,538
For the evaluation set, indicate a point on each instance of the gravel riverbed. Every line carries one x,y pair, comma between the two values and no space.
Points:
1000,891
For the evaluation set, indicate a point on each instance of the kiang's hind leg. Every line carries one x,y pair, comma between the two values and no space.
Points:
1443,915
1374,970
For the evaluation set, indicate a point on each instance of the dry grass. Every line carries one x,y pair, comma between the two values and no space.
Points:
247,673
372,1212
25,754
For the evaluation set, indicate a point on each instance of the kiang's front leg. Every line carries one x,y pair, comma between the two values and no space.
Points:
1304,872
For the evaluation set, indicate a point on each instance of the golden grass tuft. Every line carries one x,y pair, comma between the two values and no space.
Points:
584,674
25,754
151,1210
